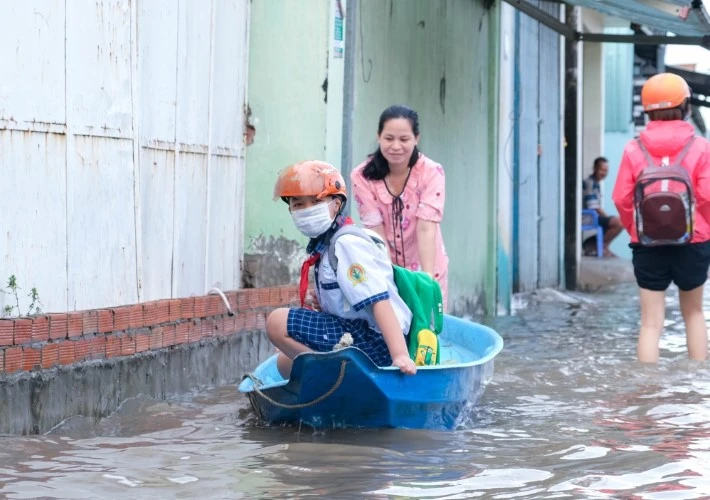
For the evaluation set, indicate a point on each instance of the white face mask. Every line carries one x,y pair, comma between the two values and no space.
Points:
313,221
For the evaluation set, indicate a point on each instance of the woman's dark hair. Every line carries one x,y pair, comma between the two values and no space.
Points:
378,167
678,113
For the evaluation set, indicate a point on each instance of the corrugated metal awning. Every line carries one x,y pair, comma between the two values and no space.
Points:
687,20
680,17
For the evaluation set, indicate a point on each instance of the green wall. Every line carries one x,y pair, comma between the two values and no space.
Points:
290,57
436,56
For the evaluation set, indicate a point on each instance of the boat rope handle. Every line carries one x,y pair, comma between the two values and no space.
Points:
337,383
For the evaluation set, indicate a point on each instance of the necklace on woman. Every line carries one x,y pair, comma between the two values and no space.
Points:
397,209
390,187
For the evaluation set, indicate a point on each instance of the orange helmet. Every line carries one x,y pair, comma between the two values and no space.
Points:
309,178
664,91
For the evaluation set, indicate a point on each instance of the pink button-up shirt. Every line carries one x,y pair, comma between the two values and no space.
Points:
423,198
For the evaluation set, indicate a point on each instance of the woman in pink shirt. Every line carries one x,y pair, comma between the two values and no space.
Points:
668,140
400,195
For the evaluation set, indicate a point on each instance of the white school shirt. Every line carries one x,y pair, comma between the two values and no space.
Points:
364,277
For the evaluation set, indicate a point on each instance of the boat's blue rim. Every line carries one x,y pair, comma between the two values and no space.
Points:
492,352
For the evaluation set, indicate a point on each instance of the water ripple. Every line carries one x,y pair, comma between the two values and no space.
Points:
569,413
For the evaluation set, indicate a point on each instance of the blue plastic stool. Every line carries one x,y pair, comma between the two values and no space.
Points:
590,222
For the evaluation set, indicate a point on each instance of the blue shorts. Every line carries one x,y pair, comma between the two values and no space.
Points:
321,331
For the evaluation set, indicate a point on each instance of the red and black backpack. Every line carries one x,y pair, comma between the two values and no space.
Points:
664,201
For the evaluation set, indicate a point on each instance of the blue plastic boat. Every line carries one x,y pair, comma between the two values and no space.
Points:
345,389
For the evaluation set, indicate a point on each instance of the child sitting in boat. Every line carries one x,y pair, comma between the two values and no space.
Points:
360,298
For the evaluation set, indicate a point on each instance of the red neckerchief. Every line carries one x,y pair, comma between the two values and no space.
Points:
303,285
306,267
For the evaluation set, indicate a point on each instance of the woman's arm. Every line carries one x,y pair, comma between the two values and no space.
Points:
426,244
366,201
394,338
429,214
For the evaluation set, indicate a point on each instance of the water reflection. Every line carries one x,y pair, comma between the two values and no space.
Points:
569,414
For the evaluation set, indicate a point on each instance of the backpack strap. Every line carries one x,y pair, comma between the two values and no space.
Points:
683,152
679,158
346,229
649,160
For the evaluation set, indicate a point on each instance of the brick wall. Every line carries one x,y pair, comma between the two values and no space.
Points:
46,341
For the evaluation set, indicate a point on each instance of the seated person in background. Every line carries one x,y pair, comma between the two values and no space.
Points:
592,200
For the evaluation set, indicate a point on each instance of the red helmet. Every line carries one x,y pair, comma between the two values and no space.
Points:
309,178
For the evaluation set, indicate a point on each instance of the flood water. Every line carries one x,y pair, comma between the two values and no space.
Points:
569,414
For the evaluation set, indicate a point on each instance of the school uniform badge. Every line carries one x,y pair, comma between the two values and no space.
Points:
356,274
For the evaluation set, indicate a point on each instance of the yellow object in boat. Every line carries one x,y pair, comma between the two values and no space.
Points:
426,348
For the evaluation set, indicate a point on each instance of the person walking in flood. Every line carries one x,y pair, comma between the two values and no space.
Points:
400,195
662,193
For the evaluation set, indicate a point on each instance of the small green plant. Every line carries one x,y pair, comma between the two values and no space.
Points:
12,288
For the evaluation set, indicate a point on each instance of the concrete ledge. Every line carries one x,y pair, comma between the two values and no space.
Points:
595,274
35,402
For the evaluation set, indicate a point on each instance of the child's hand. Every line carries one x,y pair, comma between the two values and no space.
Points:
405,364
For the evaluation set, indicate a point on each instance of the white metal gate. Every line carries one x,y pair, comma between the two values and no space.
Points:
121,148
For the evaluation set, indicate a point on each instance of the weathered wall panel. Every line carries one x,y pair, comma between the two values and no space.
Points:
32,57
101,239
157,209
537,153
550,159
157,58
99,57
230,76
142,81
527,140
33,216
506,131
190,225
223,259
193,72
